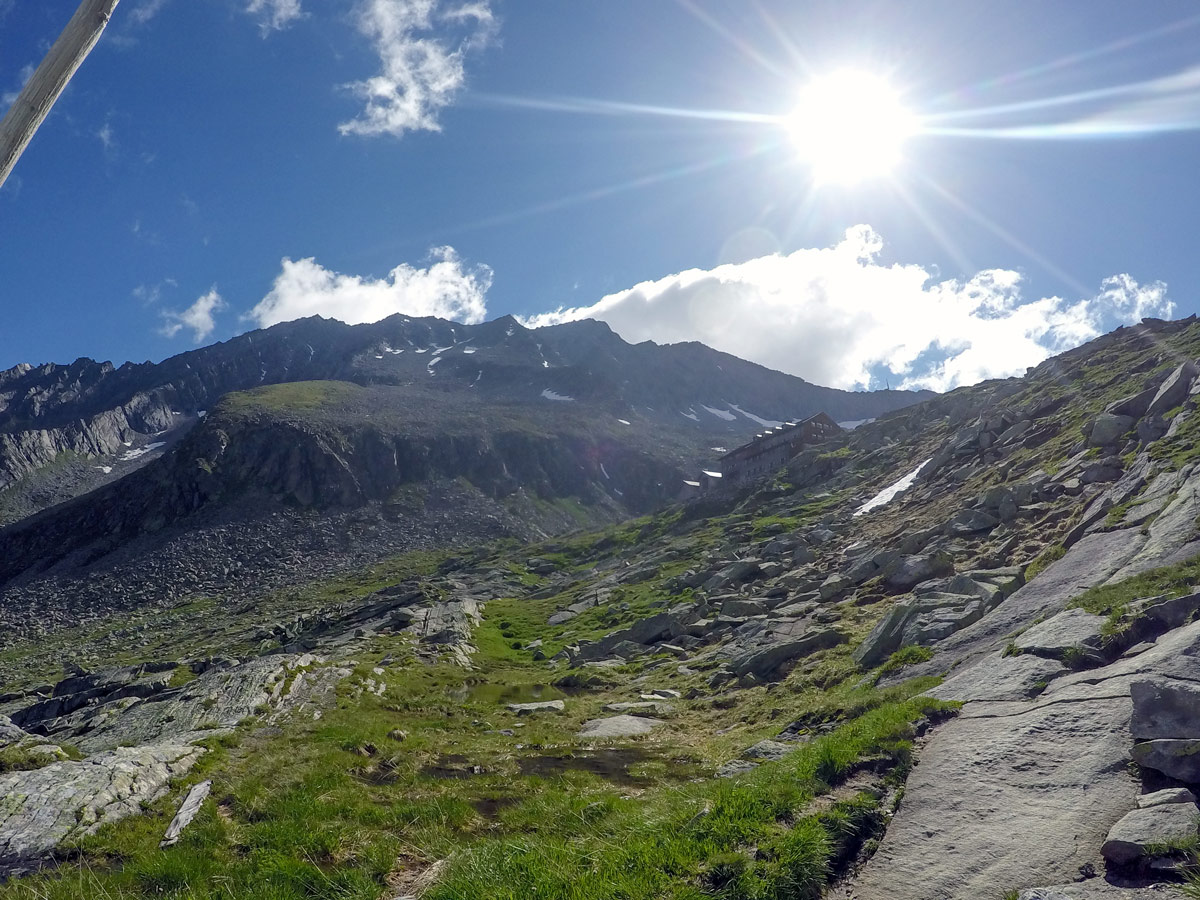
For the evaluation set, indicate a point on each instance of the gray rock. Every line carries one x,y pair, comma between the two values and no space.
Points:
910,571
186,813
643,708
1165,708
661,694
766,663
1070,631
1135,834
44,807
1175,758
619,726
1007,794
1099,889
1174,390
833,586
970,521
736,767
768,750
1001,678
743,608
1166,795
1133,406
732,575
526,709
1107,429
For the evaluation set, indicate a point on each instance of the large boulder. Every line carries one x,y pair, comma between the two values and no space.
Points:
1174,390
970,521
1107,429
910,571
766,662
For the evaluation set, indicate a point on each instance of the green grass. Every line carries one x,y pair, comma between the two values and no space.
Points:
1110,599
298,395
906,656
329,807
1044,559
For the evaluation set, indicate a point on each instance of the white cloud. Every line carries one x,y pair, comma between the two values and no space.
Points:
836,316
274,15
8,98
199,317
421,46
445,288
147,10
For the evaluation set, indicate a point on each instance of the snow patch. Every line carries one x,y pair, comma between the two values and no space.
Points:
477,377
854,423
624,421
470,350
130,455
379,356
422,350
691,483
892,490
201,413
720,413
551,395
107,470
712,474
765,423
604,470
690,415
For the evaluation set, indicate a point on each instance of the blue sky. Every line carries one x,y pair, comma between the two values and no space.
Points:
218,164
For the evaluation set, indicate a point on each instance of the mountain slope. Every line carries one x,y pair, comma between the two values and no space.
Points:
90,416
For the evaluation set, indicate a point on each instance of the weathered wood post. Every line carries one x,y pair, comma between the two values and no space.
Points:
33,104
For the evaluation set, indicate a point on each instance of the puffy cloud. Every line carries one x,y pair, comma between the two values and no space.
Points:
445,288
420,71
200,317
274,15
836,316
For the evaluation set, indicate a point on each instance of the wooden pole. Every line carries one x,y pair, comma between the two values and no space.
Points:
33,104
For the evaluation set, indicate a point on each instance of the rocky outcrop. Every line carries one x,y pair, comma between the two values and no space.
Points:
44,808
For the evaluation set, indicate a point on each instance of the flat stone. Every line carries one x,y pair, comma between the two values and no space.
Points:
1129,839
735,767
1166,795
1001,678
1007,795
525,709
1069,630
1099,889
768,750
643,708
187,812
619,726
743,608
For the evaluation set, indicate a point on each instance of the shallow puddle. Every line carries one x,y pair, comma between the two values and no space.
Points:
501,694
615,765
451,765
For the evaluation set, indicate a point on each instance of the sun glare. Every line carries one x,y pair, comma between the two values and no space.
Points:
850,126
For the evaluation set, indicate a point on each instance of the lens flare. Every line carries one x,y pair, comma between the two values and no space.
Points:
849,126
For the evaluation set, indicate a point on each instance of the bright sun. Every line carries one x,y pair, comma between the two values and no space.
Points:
850,126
